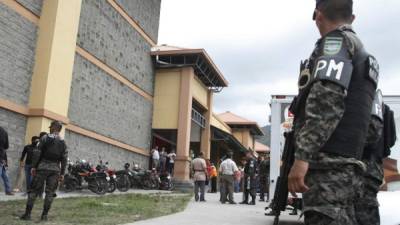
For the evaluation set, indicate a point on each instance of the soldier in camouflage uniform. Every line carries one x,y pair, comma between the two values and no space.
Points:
250,179
367,206
332,114
48,170
263,173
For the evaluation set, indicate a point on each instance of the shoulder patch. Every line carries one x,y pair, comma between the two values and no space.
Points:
334,69
332,45
377,105
373,70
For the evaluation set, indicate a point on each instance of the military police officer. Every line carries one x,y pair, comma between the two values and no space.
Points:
48,170
263,174
250,181
337,85
381,137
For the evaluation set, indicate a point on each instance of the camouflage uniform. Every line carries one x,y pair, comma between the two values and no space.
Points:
263,170
250,182
47,172
367,206
334,181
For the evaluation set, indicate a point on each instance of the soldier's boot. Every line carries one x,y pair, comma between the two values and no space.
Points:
294,212
44,213
246,199
253,200
27,214
244,202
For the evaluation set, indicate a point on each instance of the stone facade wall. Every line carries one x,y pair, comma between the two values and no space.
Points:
102,104
108,36
81,147
99,102
145,12
34,6
17,55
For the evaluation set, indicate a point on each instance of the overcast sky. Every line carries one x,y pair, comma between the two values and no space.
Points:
258,44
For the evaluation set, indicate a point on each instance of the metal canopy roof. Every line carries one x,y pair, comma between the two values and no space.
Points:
221,135
204,67
235,121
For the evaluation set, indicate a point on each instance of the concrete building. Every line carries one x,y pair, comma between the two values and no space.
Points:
242,130
86,63
96,67
186,80
261,149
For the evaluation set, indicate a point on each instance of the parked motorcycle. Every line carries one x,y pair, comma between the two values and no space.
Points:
166,182
111,176
82,175
122,181
144,179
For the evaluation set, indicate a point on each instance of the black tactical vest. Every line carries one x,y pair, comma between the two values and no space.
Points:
53,149
376,150
349,138
250,167
381,149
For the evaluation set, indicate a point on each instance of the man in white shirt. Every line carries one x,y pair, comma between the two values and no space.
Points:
171,156
227,171
155,156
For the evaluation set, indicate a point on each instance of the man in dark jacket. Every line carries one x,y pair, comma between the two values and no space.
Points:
3,161
26,159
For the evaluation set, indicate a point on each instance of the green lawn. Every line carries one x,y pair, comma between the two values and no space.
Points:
107,210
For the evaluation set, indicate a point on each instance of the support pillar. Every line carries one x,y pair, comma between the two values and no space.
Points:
54,62
182,162
205,144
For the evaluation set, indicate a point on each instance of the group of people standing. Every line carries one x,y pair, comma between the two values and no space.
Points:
163,161
44,160
253,177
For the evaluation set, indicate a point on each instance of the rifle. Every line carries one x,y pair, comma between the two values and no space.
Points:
280,199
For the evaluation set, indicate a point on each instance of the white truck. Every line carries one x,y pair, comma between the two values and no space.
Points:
281,119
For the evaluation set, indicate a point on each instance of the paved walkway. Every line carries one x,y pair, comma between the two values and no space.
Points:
83,193
213,212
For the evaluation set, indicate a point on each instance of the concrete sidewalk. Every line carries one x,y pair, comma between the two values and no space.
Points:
213,212
82,193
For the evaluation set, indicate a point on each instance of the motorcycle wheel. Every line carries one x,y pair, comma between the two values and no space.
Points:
151,184
147,184
155,184
70,185
123,183
167,186
111,186
99,186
